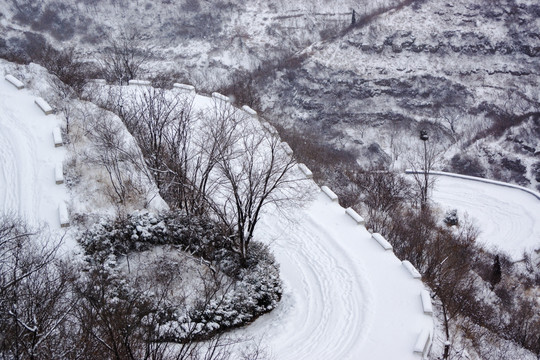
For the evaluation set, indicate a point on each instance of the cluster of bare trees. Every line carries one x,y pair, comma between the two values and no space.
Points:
124,56
32,293
215,162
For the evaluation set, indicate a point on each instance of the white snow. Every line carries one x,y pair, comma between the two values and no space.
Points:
422,343
508,217
382,241
44,106
250,111
305,170
269,128
426,302
59,173
28,159
355,216
14,81
344,297
139,82
185,88
63,214
411,269
287,148
98,81
221,97
57,137
332,195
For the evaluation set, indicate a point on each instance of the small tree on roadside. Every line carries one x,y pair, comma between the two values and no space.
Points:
423,162
256,174
383,194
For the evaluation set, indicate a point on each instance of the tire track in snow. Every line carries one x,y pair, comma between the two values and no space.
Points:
22,187
27,184
508,218
10,182
334,294
354,317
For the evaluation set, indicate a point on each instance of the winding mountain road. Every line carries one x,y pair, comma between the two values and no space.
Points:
344,296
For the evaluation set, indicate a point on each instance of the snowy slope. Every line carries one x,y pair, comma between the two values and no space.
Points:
344,296
28,158
509,218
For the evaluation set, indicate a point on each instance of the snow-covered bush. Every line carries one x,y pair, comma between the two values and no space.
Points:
232,295
451,217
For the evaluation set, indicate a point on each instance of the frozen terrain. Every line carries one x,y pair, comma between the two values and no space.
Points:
509,218
28,159
344,296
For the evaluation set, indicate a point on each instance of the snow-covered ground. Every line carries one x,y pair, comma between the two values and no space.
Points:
508,218
344,296
28,158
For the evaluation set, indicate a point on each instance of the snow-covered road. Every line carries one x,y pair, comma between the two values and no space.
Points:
509,218
28,158
344,296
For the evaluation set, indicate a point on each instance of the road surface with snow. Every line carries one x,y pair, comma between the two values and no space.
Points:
344,296
508,218
28,159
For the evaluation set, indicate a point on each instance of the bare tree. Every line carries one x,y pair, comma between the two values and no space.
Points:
218,134
158,121
383,193
124,56
115,153
257,173
162,122
451,117
230,157
35,294
422,162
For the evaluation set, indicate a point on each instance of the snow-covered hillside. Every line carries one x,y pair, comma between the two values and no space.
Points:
464,70
344,89
203,42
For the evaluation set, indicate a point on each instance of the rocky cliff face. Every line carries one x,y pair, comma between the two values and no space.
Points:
467,71
202,41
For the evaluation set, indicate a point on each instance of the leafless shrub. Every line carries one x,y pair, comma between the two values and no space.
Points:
423,161
244,90
120,158
381,193
124,56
